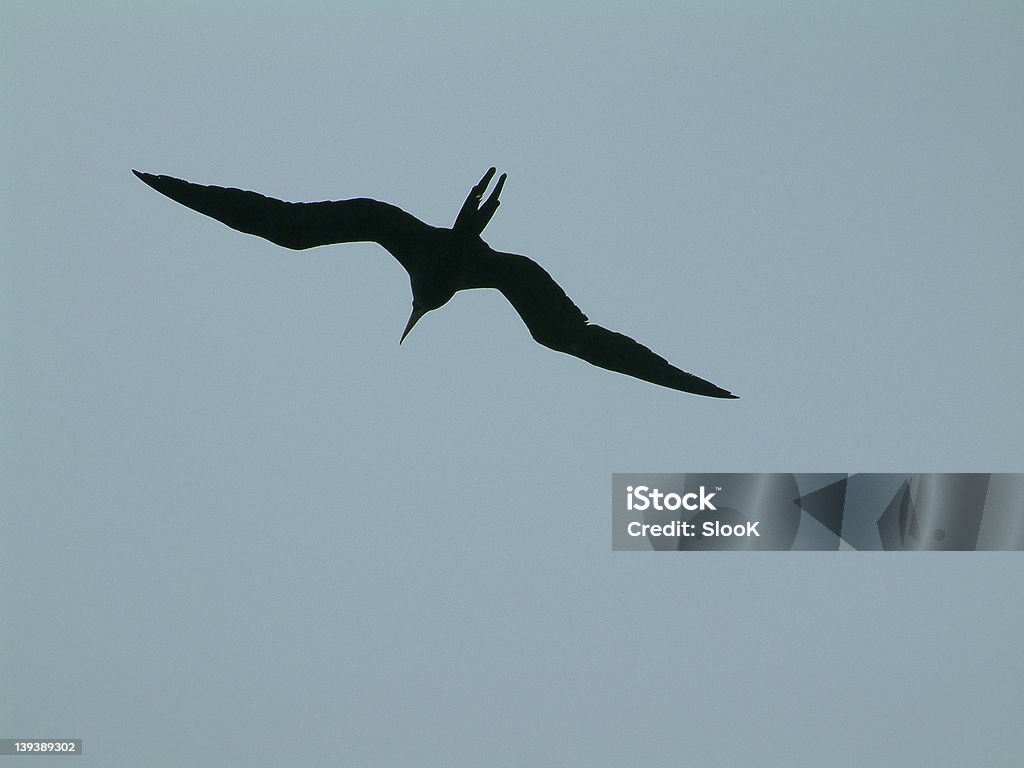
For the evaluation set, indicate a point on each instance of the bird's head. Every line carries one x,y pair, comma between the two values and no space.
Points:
427,295
418,311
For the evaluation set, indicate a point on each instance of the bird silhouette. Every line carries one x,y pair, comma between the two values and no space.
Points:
440,262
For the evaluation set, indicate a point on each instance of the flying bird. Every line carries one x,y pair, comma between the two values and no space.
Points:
440,262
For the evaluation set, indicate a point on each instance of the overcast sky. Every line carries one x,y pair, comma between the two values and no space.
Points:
242,526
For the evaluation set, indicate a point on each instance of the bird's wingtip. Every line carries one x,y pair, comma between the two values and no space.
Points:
723,394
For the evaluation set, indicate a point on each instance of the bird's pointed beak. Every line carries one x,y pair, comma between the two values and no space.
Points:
417,313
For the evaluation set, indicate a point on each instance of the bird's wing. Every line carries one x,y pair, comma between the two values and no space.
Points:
300,225
555,322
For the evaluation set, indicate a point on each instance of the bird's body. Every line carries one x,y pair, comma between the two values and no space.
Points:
440,262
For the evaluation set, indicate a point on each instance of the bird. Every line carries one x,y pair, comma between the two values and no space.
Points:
440,262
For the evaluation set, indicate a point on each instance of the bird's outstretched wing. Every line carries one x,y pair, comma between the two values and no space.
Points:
555,322
300,225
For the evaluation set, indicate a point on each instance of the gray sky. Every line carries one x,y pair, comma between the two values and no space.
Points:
242,526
